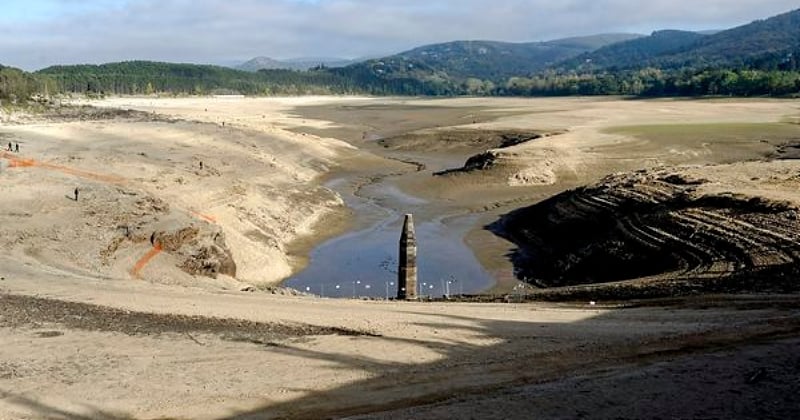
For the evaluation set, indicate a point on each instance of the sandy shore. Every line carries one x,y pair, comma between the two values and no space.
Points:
138,176
408,353
193,345
743,382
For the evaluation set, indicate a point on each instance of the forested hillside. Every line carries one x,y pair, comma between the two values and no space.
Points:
487,61
633,53
760,58
771,44
143,77
764,44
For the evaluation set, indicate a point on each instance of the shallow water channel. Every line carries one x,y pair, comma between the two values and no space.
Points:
363,263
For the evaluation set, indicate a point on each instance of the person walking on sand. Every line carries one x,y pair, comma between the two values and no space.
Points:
201,165
76,193
16,147
9,147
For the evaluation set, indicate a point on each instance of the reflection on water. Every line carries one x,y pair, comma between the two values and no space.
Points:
364,263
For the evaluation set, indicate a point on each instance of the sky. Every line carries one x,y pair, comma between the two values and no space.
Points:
38,33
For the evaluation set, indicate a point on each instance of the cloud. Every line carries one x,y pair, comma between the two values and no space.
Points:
214,31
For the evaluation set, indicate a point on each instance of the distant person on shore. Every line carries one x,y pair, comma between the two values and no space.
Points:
16,146
76,193
201,165
9,147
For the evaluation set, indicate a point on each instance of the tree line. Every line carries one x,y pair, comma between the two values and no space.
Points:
18,85
653,82
145,78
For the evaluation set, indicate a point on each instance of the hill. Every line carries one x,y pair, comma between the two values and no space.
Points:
486,60
593,42
768,44
633,52
304,63
262,63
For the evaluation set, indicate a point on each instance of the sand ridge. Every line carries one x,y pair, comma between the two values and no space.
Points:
257,187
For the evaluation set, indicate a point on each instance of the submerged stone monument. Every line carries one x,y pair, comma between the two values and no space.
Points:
407,262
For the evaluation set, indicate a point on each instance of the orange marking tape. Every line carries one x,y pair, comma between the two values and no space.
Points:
20,163
17,162
111,179
206,217
145,260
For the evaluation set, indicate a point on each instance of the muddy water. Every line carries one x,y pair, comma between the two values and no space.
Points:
363,263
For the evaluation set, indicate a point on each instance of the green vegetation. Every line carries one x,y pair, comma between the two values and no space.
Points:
768,44
653,82
384,78
484,60
758,59
143,77
17,85
771,44
633,53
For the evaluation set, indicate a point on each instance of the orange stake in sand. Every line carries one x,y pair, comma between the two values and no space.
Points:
145,260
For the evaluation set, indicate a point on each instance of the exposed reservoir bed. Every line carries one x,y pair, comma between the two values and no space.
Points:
428,137
363,263
412,144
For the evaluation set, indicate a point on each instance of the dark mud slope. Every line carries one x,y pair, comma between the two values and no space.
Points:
661,228
458,139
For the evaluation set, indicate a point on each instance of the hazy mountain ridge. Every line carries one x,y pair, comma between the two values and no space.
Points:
301,63
593,42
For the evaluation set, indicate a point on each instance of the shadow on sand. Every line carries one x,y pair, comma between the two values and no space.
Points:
489,355
521,352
